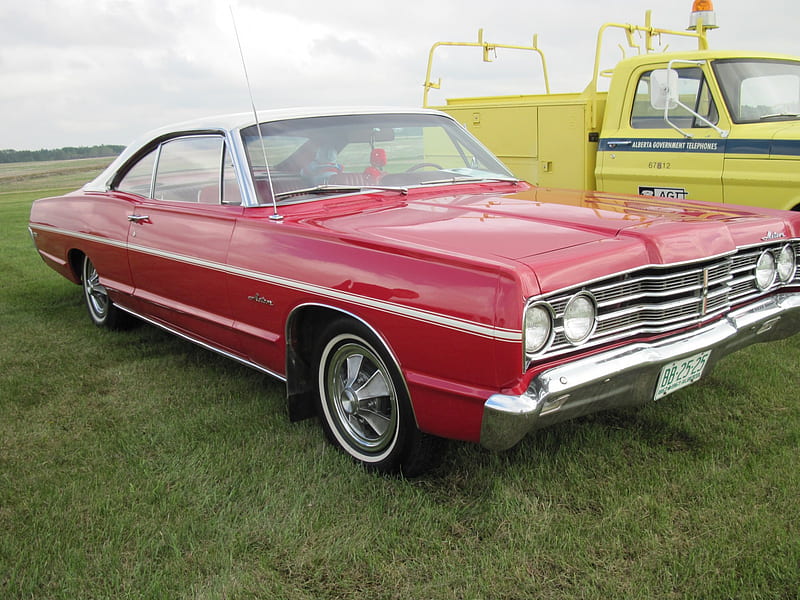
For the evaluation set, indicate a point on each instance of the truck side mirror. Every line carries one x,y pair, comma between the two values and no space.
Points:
664,89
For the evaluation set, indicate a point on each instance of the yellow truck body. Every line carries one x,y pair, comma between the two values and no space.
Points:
710,125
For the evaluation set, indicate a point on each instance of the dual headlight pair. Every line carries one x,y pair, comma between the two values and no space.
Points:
775,265
578,321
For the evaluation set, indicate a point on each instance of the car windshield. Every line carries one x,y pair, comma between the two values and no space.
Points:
346,153
758,90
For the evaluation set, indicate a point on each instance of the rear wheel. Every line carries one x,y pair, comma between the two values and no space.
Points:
364,406
101,309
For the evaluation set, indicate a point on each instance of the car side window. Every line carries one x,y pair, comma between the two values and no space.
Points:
189,170
694,92
231,194
139,178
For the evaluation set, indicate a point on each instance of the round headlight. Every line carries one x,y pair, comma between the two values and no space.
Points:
538,327
580,316
765,270
786,263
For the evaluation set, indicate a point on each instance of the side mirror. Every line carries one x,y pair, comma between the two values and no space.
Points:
664,89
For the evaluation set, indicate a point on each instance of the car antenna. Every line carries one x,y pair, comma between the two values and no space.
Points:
274,216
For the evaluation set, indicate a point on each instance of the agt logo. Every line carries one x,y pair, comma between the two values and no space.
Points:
663,192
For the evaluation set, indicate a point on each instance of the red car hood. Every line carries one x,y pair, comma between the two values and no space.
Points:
548,230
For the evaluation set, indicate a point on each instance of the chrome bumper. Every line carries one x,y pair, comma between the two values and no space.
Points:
628,375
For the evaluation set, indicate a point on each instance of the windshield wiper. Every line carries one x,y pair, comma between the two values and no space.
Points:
327,188
779,116
338,189
513,180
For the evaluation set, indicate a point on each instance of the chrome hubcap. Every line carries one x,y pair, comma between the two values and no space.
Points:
96,294
349,402
361,398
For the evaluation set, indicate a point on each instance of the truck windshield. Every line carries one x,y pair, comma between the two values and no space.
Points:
312,156
758,90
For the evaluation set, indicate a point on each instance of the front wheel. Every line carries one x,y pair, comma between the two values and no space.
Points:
364,405
101,309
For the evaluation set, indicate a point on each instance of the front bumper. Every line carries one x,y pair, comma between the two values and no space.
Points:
627,376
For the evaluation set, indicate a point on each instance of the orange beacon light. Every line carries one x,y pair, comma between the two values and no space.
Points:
703,9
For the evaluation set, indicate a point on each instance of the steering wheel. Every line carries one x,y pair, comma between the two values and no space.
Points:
424,165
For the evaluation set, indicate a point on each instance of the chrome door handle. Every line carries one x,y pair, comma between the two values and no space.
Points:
620,143
138,218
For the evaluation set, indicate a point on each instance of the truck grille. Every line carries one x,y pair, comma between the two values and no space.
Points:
661,299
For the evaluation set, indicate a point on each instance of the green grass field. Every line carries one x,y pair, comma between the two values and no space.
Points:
135,465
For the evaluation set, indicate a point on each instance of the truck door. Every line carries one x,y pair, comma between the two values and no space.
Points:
645,155
762,161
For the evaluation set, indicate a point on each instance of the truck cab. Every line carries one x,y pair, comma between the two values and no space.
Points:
703,124
727,128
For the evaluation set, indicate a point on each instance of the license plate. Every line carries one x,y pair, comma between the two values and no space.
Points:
680,373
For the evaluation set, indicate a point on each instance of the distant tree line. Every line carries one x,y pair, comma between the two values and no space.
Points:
67,153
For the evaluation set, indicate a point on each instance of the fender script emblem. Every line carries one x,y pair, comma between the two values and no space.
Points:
260,299
773,235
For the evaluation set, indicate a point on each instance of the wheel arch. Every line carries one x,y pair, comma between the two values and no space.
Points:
75,262
303,322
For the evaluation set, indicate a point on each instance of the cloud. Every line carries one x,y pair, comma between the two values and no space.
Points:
351,50
103,71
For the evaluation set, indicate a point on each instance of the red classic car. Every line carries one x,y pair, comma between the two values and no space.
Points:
405,286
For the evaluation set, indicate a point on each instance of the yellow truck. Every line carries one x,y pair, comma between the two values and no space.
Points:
702,124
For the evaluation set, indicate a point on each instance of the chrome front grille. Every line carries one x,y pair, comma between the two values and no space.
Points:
657,300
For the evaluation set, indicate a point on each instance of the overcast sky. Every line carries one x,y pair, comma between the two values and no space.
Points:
86,72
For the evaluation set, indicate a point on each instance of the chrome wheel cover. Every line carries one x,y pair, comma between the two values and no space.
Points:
360,400
96,295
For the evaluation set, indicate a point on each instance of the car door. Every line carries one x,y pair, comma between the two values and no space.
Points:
179,235
645,155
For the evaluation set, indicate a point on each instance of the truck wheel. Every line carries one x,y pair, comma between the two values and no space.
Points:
363,403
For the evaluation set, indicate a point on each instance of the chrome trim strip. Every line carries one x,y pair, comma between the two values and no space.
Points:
203,345
439,319
639,309
81,236
389,307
